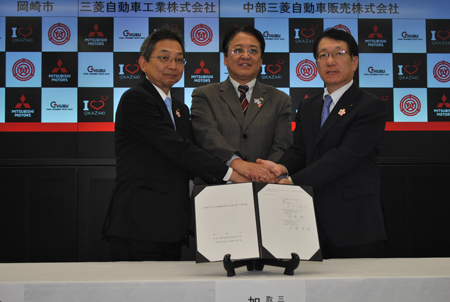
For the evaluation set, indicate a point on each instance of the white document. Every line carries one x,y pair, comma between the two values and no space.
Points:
255,221
226,222
288,223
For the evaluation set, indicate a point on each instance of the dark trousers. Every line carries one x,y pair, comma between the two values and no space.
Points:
329,250
129,249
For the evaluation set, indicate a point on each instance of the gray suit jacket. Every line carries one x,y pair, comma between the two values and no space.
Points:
221,128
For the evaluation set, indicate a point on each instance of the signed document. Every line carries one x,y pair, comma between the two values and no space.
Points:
255,221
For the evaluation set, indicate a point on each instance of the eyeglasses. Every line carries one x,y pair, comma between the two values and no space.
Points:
168,60
240,51
337,55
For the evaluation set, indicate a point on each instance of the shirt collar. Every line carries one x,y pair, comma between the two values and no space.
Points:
250,85
161,93
336,95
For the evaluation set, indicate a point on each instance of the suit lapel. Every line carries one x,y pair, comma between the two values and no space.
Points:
345,104
159,101
228,94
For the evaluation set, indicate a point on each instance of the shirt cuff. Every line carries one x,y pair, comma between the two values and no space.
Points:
228,175
228,163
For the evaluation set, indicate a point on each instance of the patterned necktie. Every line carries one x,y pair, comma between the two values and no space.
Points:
243,99
169,107
326,108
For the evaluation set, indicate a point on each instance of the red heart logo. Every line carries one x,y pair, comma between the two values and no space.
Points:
417,62
27,34
99,107
132,71
443,37
174,26
385,98
281,62
274,71
315,26
303,32
411,72
104,97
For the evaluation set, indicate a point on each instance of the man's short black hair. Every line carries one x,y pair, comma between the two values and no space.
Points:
248,29
162,33
339,35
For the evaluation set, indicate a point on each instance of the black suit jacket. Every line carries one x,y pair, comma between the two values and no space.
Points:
339,161
154,162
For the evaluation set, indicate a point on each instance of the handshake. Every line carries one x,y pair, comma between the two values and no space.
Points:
262,171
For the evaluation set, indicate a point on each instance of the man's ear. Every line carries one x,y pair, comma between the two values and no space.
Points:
355,62
143,63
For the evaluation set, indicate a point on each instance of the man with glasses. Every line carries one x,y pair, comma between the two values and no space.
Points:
336,144
150,208
241,119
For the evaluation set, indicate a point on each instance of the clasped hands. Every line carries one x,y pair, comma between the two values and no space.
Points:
261,171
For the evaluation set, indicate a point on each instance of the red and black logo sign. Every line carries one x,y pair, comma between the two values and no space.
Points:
95,34
438,35
126,69
23,34
438,104
23,105
201,69
275,69
302,33
59,69
95,105
410,70
375,35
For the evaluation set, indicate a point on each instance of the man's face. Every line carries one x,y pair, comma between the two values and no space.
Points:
243,67
338,70
163,75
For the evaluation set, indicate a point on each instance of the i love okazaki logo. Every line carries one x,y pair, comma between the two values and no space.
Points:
128,71
93,107
275,69
23,33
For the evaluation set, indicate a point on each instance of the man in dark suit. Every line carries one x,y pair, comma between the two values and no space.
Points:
150,209
339,158
242,126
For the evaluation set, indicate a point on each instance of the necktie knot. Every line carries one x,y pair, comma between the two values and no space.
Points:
243,97
326,108
243,89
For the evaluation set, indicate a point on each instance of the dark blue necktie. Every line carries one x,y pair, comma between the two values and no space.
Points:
326,108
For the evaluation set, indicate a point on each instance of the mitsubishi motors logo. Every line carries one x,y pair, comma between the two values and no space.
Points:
25,105
96,37
59,68
59,74
22,109
443,109
375,39
95,32
202,74
199,70
375,33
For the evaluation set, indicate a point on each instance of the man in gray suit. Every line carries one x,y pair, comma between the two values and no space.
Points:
240,120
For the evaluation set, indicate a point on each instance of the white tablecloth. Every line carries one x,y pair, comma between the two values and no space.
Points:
366,280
